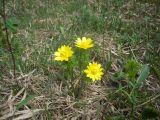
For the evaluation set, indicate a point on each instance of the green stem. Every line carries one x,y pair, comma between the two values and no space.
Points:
80,61
132,112
69,75
132,102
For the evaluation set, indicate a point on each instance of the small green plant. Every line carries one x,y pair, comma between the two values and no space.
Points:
77,64
134,76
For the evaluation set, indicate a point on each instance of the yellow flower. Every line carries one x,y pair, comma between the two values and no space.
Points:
94,71
84,43
63,53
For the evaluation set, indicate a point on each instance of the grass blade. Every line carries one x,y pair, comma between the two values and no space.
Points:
24,102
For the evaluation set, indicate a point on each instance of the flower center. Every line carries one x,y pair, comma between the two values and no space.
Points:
62,54
94,71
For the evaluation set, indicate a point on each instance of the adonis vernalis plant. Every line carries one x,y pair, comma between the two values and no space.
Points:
63,53
84,43
80,63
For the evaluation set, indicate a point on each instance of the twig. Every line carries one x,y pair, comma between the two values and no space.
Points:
7,39
152,99
142,104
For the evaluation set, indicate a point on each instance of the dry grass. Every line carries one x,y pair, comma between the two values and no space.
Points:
61,106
